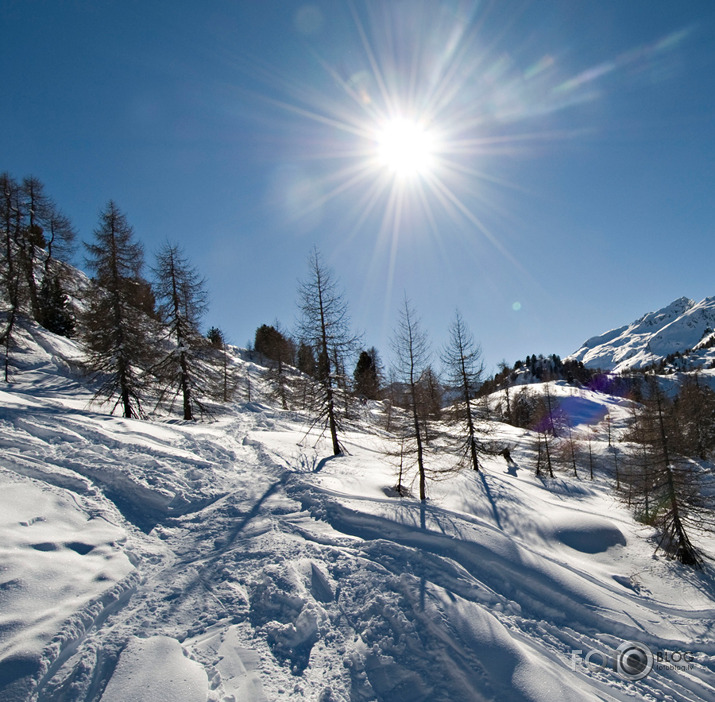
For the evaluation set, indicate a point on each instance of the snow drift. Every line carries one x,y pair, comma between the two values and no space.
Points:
167,560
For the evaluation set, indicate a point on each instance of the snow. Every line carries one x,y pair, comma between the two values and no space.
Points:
681,326
156,669
236,667
236,560
56,558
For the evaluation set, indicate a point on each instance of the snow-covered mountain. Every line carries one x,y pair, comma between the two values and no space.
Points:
236,560
683,327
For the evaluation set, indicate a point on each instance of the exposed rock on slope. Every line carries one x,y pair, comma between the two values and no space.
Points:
684,327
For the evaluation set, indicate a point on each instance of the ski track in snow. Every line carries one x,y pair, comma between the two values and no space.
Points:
234,557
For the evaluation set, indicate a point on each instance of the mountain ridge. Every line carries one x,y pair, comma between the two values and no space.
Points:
684,328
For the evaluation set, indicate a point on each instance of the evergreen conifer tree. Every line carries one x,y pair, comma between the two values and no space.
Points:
55,312
215,337
367,375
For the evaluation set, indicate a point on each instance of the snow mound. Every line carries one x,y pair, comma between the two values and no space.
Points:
589,534
61,565
156,669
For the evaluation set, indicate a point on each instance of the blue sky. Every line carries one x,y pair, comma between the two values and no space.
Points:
571,185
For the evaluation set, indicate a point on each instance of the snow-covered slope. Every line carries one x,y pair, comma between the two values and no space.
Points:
681,326
237,561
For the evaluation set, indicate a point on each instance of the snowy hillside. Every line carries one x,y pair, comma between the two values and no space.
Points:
681,326
235,560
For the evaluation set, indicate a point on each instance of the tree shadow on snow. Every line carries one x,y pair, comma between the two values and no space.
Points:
492,502
222,547
322,462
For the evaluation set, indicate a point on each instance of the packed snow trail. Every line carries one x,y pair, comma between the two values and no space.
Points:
232,560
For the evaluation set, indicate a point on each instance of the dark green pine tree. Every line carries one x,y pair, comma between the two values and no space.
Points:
367,375
215,337
278,350
118,332
55,311
273,344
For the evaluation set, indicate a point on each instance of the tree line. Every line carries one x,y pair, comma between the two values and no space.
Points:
36,238
142,338
144,347
143,341
661,477
311,372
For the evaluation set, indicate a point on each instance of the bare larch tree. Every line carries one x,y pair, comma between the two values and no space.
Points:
117,327
462,361
412,354
181,293
325,325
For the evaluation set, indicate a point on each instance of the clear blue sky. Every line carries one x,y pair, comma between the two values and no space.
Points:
573,177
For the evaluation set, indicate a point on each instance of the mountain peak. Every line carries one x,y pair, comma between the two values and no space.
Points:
676,328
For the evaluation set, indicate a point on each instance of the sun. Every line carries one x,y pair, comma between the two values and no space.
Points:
405,148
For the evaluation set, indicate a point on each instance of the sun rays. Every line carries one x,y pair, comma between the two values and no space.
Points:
406,134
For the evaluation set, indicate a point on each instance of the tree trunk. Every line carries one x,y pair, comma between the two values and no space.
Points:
418,438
